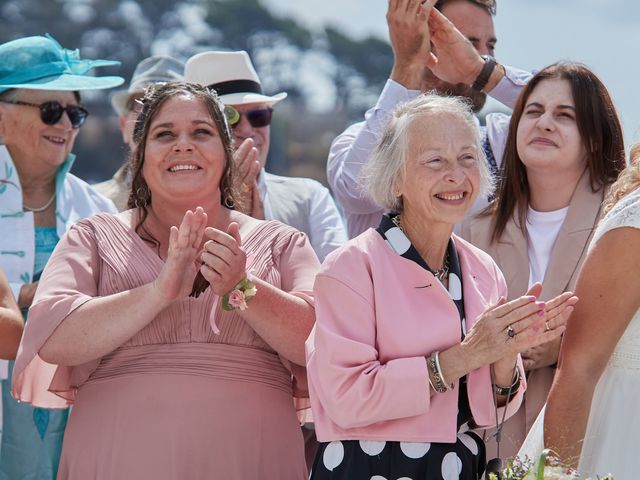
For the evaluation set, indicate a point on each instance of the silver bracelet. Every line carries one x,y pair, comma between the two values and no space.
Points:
449,386
439,385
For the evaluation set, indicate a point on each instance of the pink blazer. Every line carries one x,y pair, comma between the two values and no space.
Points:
377,316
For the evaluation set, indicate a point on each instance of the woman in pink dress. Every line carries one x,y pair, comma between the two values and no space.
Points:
179,346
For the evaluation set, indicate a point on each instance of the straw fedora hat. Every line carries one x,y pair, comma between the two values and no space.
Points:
231,75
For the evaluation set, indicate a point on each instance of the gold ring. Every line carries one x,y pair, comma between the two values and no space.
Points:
511,332
244,188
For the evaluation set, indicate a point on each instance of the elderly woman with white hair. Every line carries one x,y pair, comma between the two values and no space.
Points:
414,344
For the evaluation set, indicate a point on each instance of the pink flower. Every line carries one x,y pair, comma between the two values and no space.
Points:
237,299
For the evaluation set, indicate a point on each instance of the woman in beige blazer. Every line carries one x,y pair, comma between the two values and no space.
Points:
564,149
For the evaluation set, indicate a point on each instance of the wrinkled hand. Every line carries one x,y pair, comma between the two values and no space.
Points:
175,280
409,36
533,323
247,169
224,262
455,59
488,340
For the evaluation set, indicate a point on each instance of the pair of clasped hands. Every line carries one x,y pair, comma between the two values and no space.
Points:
221,260
523,326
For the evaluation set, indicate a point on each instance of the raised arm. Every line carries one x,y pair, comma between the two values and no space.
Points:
408,33
11,322
609,293
457,61
99,325
282,317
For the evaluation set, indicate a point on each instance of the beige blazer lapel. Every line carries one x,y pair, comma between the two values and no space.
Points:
511,255
573,239
510,252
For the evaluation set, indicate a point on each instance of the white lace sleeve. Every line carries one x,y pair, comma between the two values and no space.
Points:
626,213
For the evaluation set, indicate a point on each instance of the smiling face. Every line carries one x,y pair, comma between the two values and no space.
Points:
28,139
441,178
548,139
184,154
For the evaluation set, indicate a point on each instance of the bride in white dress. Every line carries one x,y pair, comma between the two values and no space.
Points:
591,418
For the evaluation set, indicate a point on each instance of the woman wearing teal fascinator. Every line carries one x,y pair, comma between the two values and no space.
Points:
40,117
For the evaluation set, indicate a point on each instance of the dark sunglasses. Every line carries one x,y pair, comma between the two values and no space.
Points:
260,117
51,112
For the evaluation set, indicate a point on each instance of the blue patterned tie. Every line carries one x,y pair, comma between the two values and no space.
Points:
491,160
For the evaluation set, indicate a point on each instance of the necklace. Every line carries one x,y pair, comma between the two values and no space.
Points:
443,272
39,209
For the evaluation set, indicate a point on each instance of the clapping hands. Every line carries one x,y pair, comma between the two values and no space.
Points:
175,280
509,328
224,262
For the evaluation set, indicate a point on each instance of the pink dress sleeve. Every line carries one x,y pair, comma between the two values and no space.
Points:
70,279
298,265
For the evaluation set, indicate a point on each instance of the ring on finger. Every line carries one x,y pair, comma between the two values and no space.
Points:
510,331
244,188
546,326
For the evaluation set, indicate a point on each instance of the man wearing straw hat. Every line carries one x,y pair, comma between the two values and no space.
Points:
156,69
300,202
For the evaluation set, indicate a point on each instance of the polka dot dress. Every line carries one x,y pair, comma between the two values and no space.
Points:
378,460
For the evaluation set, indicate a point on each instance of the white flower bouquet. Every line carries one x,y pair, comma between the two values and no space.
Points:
547,467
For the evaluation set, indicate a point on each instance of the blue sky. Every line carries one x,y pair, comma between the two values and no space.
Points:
605,35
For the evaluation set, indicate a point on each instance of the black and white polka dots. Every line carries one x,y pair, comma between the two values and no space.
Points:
395,460
378,460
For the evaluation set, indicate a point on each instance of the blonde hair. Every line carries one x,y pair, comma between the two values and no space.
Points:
628,180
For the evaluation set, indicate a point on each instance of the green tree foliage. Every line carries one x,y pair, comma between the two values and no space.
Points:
129,30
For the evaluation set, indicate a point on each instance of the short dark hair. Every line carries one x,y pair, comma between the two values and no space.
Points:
489,5
599,128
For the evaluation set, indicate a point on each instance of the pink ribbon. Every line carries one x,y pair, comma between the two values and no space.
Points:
216,298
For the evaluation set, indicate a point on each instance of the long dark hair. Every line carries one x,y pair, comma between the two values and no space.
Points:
155,96
599,128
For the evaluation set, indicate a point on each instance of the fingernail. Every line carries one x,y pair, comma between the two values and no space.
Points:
541,313
541,304
531,298
536,328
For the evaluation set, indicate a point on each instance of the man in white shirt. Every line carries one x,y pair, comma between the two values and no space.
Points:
300,202
459,66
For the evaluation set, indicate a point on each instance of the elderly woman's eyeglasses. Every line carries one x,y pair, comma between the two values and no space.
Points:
51,112
259,117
